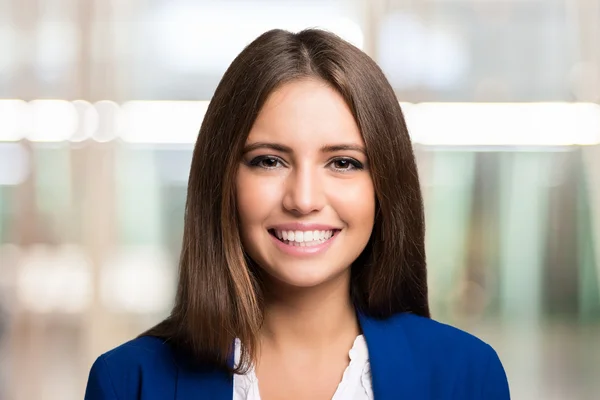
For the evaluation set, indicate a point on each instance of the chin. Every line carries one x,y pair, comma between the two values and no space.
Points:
303,278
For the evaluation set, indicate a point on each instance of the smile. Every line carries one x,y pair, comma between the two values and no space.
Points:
303,238
297,242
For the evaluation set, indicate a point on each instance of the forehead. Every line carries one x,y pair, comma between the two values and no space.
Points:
305,112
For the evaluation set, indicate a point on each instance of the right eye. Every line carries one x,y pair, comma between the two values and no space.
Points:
266,162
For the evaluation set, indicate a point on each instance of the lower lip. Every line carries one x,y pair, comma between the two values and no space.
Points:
299,251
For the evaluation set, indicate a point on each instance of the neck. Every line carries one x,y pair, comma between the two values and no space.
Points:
310,317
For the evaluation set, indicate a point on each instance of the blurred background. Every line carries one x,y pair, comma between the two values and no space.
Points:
100,104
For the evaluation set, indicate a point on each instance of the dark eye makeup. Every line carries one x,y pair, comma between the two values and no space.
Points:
341,164
267,162
346,163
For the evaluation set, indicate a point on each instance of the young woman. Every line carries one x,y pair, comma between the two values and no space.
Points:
302,272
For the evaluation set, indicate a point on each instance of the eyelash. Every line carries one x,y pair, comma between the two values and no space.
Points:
355,164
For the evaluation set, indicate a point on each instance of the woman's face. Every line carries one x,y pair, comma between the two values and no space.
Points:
305,197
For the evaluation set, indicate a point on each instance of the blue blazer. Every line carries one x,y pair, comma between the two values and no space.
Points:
411,358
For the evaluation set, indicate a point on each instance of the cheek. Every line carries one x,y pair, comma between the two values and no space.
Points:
355,204
256,197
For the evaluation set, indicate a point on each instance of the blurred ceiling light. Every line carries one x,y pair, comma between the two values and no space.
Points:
13,114
498,124
87,118
52,121
138,280
14,164
162,121
178,122
54,279
107,121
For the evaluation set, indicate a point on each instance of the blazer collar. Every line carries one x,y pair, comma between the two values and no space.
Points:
394,367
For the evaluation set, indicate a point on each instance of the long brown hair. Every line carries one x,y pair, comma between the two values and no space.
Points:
219,293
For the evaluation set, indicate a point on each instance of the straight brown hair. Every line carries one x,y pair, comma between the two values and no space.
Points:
219,297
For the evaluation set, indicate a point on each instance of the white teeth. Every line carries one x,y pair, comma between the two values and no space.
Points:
307,237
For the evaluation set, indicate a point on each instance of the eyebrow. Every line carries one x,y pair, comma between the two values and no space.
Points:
285,149
341,147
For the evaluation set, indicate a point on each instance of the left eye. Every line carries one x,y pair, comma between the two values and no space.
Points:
345,164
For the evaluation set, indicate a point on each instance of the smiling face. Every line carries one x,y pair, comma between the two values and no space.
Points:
304,193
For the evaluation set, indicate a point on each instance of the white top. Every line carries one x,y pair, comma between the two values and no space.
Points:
355,384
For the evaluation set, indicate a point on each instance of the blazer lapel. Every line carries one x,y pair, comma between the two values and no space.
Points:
395,371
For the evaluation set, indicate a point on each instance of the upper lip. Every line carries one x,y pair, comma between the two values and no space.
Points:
303,226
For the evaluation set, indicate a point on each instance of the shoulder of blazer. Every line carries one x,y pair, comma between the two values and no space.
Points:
436,342
141,351
423,332
127,371
429,332
432,358
149,368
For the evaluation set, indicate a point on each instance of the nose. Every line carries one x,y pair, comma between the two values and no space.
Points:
304,191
